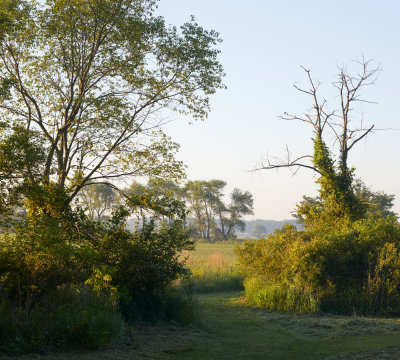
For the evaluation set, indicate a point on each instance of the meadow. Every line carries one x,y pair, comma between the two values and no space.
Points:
213,267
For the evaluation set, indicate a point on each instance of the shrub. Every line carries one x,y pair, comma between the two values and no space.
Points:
114,272
75,316
349,268
143,264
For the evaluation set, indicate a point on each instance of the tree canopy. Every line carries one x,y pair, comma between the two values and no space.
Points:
85,84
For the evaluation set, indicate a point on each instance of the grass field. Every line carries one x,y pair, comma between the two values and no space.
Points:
204,250
229,329
213,268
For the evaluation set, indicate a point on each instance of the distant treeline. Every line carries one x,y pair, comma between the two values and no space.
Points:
253,226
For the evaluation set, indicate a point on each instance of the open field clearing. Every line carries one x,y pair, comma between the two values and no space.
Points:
213,268
204,251
231,330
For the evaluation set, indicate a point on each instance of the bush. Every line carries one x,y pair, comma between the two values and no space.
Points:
350,268
143,264
115,274
75,316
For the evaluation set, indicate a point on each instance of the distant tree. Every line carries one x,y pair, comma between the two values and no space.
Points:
212,217
214,193
200,196
98,199
259,230
241,204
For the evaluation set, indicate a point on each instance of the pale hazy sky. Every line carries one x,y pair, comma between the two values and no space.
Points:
264,44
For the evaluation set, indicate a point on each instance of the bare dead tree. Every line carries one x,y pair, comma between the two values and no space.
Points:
349,87
338,121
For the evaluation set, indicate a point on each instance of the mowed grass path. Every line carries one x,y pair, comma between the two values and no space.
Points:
240,332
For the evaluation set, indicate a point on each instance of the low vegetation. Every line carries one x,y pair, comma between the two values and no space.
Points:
213,268
233,330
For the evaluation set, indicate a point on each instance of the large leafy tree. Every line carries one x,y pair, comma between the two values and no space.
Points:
90,81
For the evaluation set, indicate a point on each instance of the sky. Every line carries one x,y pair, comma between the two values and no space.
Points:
264,44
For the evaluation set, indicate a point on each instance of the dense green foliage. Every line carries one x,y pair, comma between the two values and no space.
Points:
109,272
68,316
346,260
352,269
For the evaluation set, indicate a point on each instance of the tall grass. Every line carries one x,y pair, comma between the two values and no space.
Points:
214,272
279,297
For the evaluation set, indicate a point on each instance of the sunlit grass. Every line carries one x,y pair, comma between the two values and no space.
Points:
213,268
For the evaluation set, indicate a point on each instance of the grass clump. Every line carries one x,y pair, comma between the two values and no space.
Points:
279,297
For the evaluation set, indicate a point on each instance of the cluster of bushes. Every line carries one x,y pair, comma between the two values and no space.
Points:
68,280
345,260
354,267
